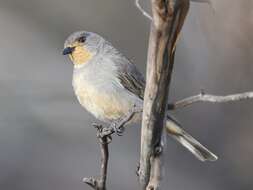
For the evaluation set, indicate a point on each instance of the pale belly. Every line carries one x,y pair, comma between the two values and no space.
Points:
105,104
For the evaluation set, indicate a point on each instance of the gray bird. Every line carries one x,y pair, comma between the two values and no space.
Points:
108,85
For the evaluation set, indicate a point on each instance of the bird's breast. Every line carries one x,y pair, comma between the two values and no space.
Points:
103,101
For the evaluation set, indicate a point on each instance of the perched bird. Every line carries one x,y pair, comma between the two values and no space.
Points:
108,85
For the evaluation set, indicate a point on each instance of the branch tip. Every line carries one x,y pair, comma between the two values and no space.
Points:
203,97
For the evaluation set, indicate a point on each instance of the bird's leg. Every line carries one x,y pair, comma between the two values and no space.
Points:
118,125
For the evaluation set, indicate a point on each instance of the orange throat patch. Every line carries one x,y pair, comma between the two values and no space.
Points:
80,55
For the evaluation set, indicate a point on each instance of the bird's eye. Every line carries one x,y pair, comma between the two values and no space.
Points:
82,39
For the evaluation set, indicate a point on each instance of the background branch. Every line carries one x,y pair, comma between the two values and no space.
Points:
202,97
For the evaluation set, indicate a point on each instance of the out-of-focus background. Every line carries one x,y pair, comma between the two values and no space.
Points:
46,138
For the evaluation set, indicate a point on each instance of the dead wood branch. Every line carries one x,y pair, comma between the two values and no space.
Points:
209,2
202,97
100,182
104,137
168,19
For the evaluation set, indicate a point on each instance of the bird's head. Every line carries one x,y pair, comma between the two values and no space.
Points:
82,46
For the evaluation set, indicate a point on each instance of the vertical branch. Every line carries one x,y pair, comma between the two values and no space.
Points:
100,182
104,162
168,19
156,170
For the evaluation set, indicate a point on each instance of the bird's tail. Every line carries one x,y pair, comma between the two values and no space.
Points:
176,132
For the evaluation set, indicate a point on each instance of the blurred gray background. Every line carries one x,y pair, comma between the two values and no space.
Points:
46,138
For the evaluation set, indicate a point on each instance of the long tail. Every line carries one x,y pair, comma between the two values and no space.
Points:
176,132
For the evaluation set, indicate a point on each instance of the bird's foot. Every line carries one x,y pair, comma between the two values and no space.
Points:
118,125
103,133
118,128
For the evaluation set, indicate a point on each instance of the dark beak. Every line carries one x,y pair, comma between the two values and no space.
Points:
68,50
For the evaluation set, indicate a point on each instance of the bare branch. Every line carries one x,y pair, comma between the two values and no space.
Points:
137,3
168,19
104,137
156,169
202,97
100,183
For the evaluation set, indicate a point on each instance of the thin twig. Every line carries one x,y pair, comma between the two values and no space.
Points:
202,97
100,182
104,137
137,3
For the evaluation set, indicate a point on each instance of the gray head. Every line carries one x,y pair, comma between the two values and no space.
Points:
82,45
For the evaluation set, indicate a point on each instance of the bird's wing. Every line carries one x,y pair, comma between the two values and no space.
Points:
130,78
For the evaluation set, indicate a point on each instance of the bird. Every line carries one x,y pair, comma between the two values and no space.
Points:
107,84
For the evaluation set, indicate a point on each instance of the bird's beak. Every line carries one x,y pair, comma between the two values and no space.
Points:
68,50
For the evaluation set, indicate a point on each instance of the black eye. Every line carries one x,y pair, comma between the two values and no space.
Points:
82,39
